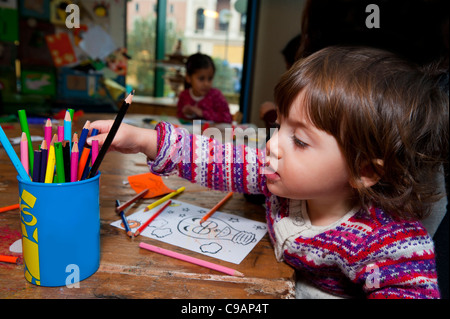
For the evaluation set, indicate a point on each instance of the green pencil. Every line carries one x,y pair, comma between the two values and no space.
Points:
61,177
24,125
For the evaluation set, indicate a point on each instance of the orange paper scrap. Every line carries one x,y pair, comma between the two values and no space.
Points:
154,183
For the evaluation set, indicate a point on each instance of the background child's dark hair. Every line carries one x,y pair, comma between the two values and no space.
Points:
380,109
197,62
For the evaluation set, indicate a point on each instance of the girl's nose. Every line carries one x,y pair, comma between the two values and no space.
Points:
272,147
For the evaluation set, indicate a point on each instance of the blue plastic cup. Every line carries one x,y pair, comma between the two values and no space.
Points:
60,231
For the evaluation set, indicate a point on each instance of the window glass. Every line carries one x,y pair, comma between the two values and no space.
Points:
215,28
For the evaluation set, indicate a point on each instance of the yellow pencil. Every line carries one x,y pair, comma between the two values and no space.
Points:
162,200
51,161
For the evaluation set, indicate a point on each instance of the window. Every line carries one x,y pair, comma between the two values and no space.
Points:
211,27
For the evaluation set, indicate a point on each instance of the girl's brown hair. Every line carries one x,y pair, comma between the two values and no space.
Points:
378,107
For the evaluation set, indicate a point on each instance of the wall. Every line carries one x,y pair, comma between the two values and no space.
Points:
278,22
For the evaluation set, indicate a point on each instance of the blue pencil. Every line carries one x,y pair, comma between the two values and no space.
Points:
44,156
37,165
68,128
83,135
124,220
13,156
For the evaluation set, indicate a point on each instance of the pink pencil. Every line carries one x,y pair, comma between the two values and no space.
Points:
74,163
48,131
60,132
94,150
24,152
192,260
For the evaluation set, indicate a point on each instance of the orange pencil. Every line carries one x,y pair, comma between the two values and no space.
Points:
144,225
10,207
83,161
131,201
8,259
213,210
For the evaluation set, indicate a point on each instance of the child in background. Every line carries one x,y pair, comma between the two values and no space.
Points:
347,176
200,100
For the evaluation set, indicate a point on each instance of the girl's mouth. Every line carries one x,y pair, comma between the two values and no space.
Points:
270,173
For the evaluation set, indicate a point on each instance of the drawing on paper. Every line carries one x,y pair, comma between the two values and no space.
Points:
223,236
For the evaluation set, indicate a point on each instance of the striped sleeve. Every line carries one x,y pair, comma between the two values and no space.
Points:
204,160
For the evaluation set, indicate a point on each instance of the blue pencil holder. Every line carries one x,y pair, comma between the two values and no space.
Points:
60,231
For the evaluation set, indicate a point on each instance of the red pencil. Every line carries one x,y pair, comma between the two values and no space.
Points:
83,161
10,207
131,201
8,259
140,229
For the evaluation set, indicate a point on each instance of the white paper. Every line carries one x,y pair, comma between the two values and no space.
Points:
224,236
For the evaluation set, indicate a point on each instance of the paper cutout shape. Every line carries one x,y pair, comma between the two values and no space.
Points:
154,183
61,49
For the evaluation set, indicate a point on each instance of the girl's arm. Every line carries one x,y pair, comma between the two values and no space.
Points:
196,158
205,161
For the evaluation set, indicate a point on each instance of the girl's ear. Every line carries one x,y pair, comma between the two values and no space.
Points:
370,174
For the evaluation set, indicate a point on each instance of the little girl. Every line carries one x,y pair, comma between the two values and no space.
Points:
347,176
200,100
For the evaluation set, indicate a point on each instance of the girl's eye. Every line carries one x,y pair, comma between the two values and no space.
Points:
298,142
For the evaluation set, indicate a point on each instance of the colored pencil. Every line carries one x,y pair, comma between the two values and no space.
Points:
71,112
83,161
13,156
48,131
162,200
68,127
24,152
60,131
109,138
51,161
213,210
192,260
144,225
8,208
24,125
84,135
66,157
8,259
132,200
60,173
44,156
94,150
37,166
124,220
75,138
74,163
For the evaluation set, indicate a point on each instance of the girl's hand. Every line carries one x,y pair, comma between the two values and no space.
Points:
192,111
128,139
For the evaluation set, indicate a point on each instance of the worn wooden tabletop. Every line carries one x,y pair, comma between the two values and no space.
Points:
126,271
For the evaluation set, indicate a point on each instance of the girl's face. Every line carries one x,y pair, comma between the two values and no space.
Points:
304,162
201,81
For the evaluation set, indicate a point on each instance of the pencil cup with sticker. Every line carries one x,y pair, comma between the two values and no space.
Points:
60,225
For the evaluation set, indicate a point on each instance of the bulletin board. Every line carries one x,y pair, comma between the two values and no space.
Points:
54,55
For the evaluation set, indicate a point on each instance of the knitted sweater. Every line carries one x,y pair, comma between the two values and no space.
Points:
364,254
213,105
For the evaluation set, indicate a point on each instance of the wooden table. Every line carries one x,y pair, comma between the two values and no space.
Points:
127,271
